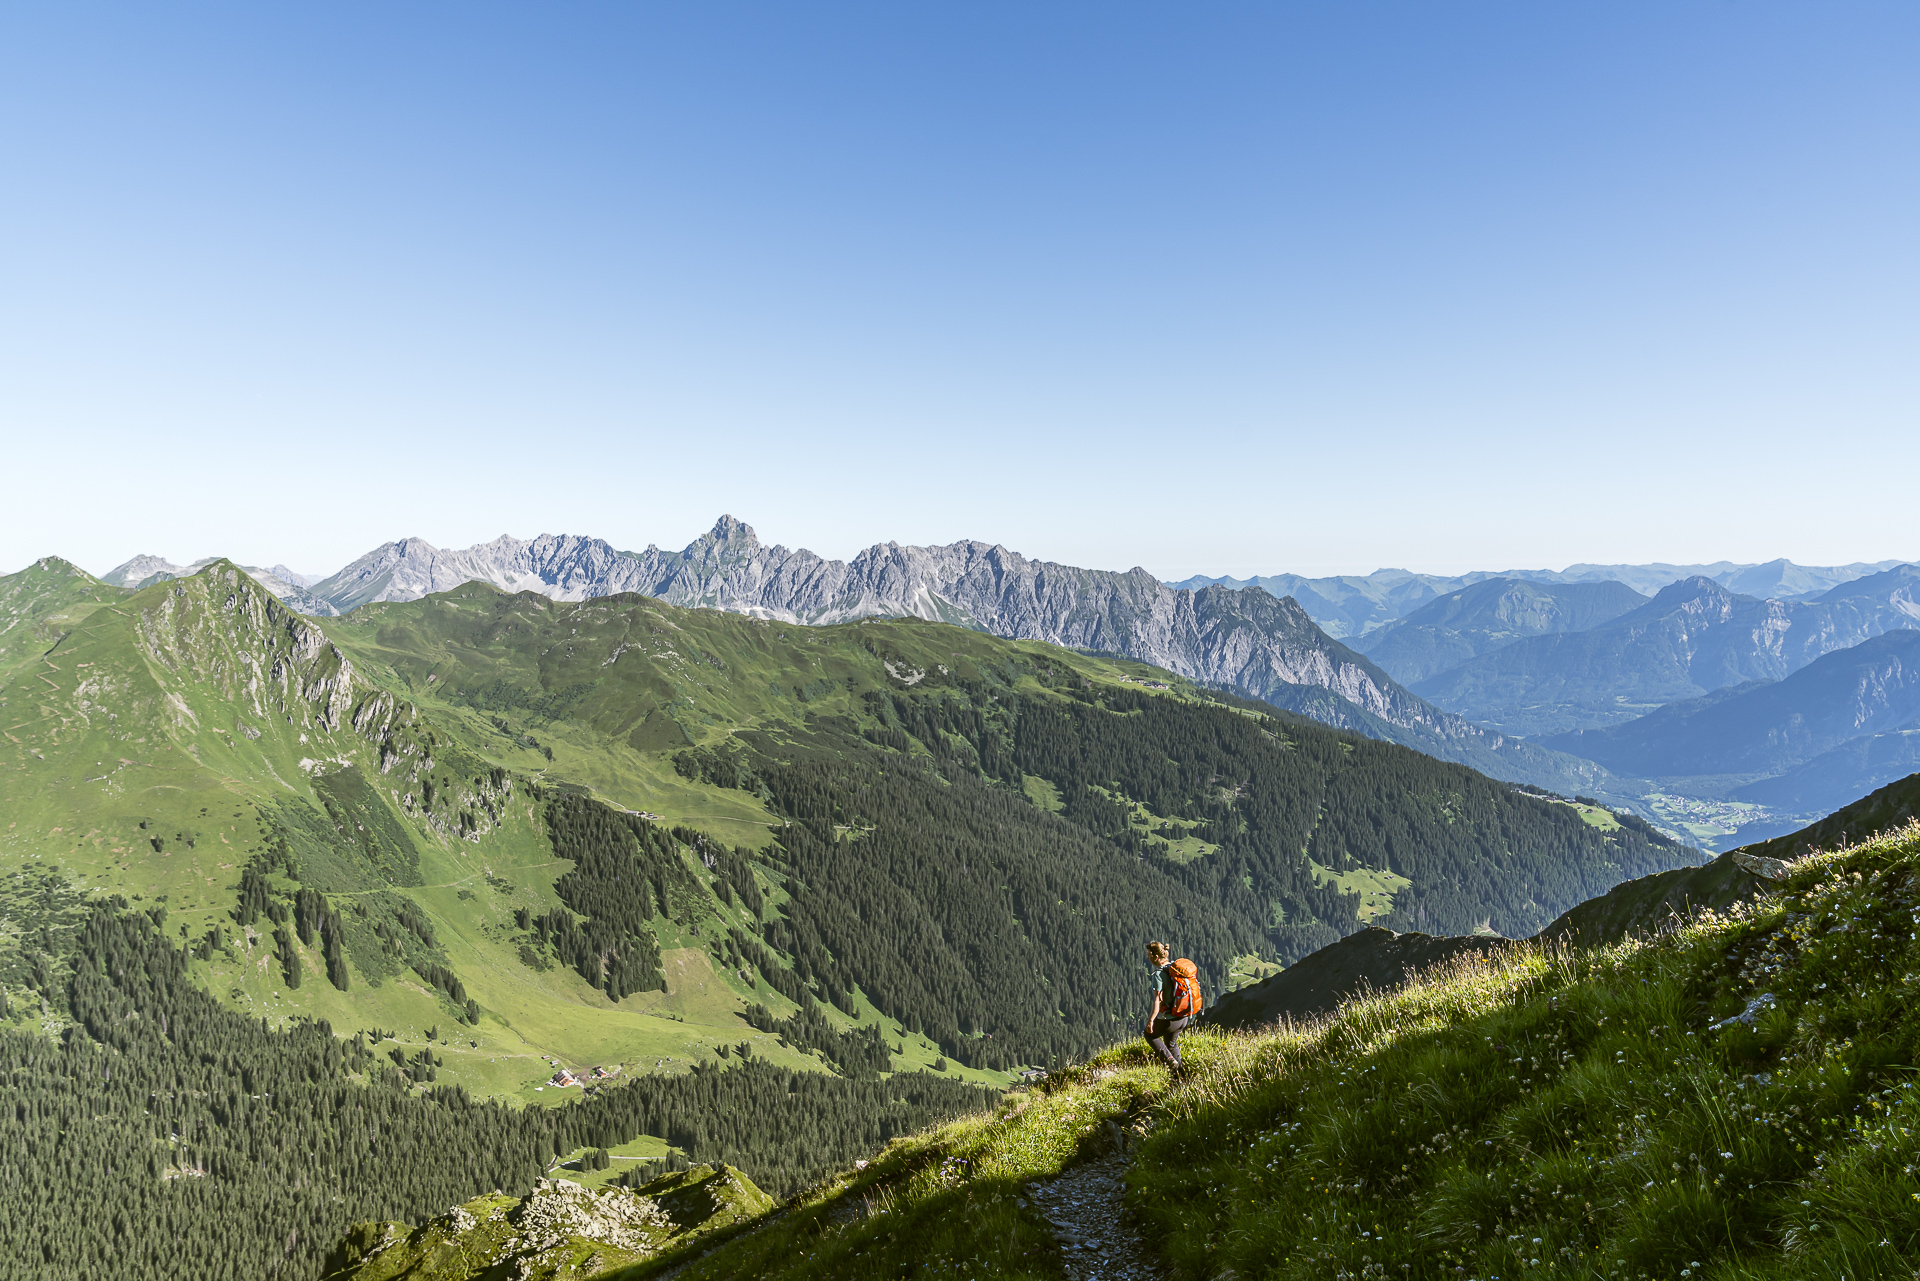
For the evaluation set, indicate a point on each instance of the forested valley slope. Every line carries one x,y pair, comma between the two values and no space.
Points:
301,914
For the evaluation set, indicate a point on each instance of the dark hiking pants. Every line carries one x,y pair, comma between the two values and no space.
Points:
1163,1034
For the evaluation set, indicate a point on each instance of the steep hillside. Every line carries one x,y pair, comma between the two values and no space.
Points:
1695,637
1767,728
1378,959
808,780
1730,1100
202,747
1887,808
1138,770
1488,615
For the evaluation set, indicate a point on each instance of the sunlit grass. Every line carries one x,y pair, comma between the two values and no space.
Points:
1733,1099
1554,1114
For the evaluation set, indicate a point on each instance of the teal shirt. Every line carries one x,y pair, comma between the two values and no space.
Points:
1163,984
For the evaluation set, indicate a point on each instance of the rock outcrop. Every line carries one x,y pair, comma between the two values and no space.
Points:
559,1229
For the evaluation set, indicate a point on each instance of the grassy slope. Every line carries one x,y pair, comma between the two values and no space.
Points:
40,604
114,730
131,717
1551,1113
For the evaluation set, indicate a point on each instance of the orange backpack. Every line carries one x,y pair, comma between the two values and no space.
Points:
1186,990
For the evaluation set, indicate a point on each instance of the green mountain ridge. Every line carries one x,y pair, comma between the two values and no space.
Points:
1250,642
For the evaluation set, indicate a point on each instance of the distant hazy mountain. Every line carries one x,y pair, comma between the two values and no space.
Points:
1351,604
143,569
1872,760
1769,727
1695,637
1250,641
1354,604
281,581
1776,579
1476,620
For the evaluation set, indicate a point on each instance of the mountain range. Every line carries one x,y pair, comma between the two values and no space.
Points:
1691,639
1490,615
1765,727
302,912
284,583
1350,605
311,920
1490,670
1248,641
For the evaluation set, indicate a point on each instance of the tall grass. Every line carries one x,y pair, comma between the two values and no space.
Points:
1733,1099
1553,1114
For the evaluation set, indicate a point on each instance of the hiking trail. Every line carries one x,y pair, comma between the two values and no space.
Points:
1087,1207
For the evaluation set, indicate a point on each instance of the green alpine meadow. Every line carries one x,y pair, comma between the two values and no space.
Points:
492,935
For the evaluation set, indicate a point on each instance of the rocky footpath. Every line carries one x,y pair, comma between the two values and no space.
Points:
560,1229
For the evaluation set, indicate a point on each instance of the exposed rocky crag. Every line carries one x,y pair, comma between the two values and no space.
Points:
560,1229
281,581
1696,637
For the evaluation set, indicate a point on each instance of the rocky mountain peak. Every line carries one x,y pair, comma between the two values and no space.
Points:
1697,587
728,530
136,571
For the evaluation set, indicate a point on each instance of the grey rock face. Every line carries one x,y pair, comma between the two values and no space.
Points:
142,568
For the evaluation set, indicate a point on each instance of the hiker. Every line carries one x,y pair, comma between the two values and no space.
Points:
1176,999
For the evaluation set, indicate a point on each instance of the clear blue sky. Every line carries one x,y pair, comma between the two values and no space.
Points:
1222,289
